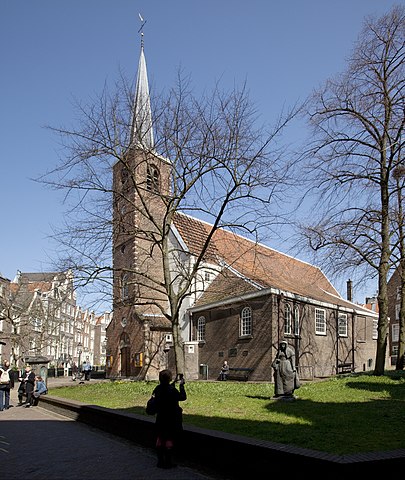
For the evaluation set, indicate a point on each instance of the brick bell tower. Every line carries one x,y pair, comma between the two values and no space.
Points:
141,184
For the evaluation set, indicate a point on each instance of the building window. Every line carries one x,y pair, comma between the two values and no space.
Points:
342,325
375,329
124,286
124,321
246,322
320,321
397,310
138,359
201,329
395,332
287,320
124,176
152,179
207,276
296,321
37,324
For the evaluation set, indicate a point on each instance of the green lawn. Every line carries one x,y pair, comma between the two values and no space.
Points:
342,415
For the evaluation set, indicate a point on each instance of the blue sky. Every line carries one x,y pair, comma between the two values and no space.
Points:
54,51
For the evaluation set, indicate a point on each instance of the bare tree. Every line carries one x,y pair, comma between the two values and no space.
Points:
399,256
221,167
358,122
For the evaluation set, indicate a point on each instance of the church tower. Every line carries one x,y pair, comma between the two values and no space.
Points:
141,187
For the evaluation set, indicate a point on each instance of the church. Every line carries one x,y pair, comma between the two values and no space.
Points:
189,294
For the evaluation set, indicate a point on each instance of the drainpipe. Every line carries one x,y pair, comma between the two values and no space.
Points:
350,298
279,305
337,340
353,324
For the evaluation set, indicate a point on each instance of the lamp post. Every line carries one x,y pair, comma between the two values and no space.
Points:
79,352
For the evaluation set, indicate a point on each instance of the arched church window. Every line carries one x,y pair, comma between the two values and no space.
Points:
124,287
124,176
201,329
246,322
287,320
153,179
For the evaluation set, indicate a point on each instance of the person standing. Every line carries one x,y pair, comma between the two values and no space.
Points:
169,416
223,374
21,387
29,382
285,375
87,370
75,371
5,388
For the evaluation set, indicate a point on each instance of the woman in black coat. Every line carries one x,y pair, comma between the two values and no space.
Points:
26,387
169,416
29,386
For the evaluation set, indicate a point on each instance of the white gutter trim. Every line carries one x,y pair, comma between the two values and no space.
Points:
179,238
275,291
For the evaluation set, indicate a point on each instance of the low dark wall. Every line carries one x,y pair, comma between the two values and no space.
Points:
232,456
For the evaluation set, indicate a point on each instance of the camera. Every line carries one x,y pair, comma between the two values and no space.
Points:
180,376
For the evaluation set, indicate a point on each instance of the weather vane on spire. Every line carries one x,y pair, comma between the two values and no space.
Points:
143,23
141,28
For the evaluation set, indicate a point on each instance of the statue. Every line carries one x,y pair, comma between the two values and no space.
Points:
285,374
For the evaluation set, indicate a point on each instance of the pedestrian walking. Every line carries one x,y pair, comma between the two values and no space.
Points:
169,416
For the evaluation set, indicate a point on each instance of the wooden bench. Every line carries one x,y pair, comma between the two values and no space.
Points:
345,368
236,373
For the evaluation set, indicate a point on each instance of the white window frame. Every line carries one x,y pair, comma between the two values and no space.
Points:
296,320
287,319
320,321
37,324
342,324
245,324
395,332
201,329
375,328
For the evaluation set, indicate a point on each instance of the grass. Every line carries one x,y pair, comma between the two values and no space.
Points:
342,415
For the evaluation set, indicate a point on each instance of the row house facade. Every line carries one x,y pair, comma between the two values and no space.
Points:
39,316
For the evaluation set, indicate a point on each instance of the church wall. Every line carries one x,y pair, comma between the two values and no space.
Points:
316,355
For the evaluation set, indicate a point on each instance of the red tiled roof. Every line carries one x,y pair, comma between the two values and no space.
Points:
255,266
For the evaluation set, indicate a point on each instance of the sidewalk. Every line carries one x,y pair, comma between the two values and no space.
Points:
38,444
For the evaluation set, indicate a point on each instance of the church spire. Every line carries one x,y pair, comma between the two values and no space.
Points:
142,128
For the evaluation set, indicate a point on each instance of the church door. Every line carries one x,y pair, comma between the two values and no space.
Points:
125,362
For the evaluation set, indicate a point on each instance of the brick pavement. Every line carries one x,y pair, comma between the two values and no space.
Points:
38,444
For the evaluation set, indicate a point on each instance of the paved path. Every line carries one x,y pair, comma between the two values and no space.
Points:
37,444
